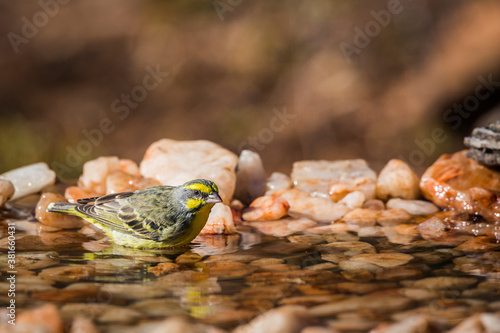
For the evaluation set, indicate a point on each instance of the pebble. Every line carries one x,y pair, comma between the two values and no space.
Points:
288,318
442,282
67,273
374,204
413,207
118,315
6,191
159,307
29,179
95,173
479,244
361,217
334,178
462,184
82,325
42,319
121,181
75,193
283,227
228,269
308,239
57,220
397,180
353,200
266,208
178,324
132,291
348,248
36,260
176,162
417,323
393,217
278,181
375,302
250,177
399,273
281,247
317,208
220,221
383,259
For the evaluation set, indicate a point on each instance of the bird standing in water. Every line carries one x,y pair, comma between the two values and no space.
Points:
152,218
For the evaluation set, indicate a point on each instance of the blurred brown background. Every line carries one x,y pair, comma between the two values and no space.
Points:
291,79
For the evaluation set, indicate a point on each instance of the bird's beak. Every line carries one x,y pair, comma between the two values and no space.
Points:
214,198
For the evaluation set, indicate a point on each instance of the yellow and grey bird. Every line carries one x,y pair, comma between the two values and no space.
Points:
153,218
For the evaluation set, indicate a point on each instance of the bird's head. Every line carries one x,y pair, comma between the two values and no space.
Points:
197,193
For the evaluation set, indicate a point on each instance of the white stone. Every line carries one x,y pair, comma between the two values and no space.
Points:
176,162
278,181
95,173
353,200
6,191
413,207
220,221
29,179
250,177
334,178
316,208
397,180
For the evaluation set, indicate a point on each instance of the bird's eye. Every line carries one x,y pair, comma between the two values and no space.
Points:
196,192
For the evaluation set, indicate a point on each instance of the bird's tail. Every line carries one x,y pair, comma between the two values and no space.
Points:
62,207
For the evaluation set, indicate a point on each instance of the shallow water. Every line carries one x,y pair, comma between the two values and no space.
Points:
345,282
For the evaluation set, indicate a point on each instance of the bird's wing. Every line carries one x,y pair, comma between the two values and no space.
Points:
127,213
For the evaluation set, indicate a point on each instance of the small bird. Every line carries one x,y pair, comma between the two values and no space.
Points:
152,218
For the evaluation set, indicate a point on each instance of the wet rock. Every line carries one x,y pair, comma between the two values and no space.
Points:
36,260
281,247
283,319
6,191
433,228
266,208
374,231
42,319
334,178
358,268
420,294
250,177
119,315
397,180
176,162
361,217
460,183
57,220
318,329
399,273
321,266
227,269
220,221
164,268
75,193
47,242
316,208
77,292
278,181
393,217
443,282
479,244
131,291
121,181
353,200
337,227
346,248
283,227
374,204
484,144
375,302
469,325
299,277
413,207
95,173
82,325
29,179
383,259
307,239
67,273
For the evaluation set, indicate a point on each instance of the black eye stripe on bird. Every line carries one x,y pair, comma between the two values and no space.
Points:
156,217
